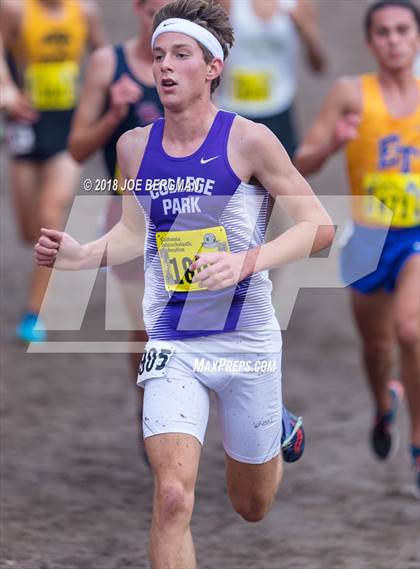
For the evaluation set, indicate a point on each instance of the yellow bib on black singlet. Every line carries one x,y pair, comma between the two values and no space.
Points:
384,163
48,50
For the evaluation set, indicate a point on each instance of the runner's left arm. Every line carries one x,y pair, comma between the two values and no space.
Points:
92,127
304,16
313,229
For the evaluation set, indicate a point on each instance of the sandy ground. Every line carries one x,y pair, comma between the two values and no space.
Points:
74,493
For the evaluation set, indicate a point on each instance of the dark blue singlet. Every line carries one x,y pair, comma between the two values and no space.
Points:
142,113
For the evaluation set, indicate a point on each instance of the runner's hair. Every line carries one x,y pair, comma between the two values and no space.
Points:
206,13
380,4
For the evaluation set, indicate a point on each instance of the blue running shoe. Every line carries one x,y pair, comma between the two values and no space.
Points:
293,437
31,329
415,455
384,436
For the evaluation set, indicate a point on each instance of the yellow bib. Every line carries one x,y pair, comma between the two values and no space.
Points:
391,198
177,250
251,85
52,85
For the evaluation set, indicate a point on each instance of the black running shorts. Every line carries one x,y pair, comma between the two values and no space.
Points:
42,140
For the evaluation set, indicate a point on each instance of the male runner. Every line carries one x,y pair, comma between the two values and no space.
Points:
46,40
202,178
376,118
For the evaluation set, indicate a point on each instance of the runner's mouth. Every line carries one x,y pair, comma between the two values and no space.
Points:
168,83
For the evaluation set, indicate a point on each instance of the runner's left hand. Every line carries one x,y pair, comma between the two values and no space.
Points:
220,270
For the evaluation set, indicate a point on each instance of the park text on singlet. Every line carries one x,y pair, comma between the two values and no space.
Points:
47,53
384,163
197,204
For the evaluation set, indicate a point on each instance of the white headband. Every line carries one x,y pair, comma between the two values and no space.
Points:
193,30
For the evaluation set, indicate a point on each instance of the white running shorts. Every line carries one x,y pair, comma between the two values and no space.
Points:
242,368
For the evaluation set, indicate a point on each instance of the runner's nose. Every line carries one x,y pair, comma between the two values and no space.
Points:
165,63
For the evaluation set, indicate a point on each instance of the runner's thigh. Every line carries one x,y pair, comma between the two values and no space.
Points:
24,181
59,178
373,315
250,411
177,403
407,298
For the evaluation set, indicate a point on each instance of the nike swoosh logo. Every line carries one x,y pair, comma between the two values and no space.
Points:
206,161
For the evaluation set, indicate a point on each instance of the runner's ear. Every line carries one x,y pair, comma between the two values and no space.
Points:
214,69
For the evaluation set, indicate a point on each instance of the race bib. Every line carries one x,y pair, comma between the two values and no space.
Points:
52,86
397,192
20,138
154,361
251,86
177,250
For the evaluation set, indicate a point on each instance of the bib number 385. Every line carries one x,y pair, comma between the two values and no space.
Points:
154,362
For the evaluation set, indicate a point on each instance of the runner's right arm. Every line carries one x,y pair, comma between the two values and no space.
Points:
96,30
91,129
336,125
10,21
124,242
12,100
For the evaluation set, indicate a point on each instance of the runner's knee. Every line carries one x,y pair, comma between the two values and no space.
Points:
251,508
173,502
28,236
51,214
376,348
28,228
408,334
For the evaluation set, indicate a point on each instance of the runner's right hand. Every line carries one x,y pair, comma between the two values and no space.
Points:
124,92
346,130
59,250
17,106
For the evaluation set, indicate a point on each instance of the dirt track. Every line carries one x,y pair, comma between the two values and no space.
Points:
74,494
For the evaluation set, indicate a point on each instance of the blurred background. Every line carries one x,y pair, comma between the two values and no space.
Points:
75,493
